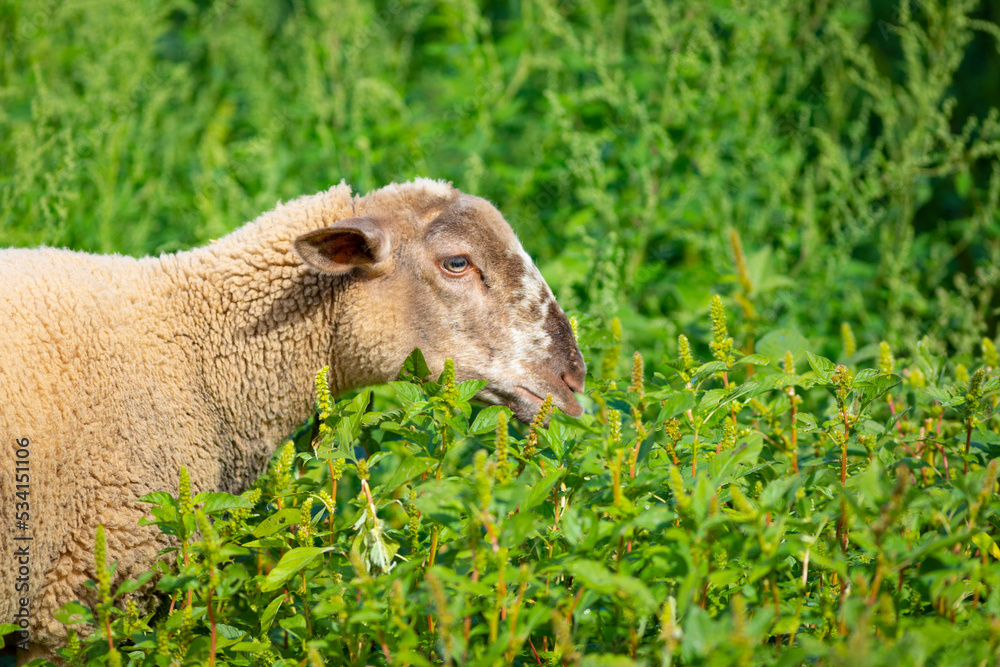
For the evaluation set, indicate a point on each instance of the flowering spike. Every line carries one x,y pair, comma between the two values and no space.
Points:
482,480
413,525
676,484
208,535
615,424
684,352
789,363
337,469
531,445
975,390
101,564
847,338
449,392
323,400
306,531
728,434
184,492
886,362
722,344
741,262
283,466
670,632
638,385
990,355
842,379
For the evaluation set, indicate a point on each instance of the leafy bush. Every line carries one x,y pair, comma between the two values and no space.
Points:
754,510
851,145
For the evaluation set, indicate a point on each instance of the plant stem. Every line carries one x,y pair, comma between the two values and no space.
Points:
434,547
843,448
694,446
211,623
968,441
794,446
107,631
333,499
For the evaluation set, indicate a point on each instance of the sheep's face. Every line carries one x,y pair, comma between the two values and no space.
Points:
469,292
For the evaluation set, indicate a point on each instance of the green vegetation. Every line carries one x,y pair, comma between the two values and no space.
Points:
740,511
831,170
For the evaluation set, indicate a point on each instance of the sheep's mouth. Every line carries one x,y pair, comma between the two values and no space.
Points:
524,402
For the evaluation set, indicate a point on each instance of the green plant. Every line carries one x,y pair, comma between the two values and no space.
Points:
699,516
649,153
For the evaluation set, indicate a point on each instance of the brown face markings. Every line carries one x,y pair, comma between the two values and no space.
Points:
490,243
535,311
511,268
558,329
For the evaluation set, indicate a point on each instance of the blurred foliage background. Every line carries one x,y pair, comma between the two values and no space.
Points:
849,147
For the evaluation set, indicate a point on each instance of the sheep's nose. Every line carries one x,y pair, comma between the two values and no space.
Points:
575,380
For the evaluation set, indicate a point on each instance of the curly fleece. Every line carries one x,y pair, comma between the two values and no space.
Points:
121,370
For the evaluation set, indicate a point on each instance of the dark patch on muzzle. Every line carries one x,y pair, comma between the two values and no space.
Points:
566,356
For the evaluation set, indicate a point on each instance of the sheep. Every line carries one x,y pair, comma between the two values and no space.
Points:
115,371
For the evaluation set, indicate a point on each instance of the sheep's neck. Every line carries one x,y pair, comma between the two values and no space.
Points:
261,325
261,336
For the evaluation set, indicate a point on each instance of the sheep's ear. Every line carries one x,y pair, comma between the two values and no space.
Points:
344,245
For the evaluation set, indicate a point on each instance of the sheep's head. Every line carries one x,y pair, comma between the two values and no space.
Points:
427,266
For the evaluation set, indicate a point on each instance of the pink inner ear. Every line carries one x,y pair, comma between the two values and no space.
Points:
347,248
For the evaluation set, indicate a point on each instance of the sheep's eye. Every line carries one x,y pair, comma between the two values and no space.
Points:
456,264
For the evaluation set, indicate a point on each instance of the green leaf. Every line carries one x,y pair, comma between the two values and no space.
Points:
290,563
680,402
407,392
711,400
74,612
986,544
516,528
542,489
277,521
487,418
469,388
822,366
415,368
161,498
591,574
408,468
874,387
267,617
130,585
707,369
754,360
775,344
6,629
220,502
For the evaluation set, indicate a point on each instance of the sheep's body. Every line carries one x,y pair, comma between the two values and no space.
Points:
118,371
104,370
